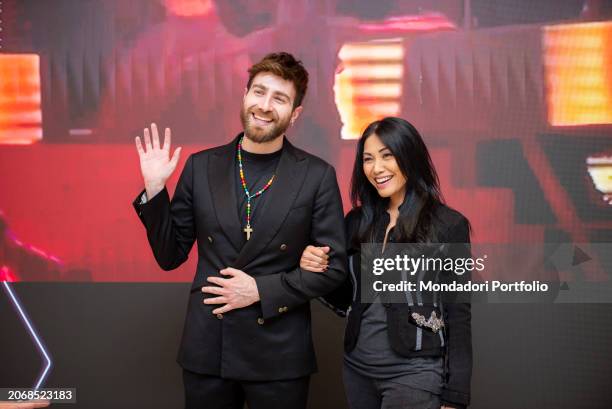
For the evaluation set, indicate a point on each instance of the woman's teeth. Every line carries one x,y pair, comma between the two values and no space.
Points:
382,180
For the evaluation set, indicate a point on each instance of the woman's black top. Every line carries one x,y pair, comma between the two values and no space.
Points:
373,356
405,339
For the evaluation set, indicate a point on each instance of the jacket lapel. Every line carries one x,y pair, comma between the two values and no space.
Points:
222,182
290,174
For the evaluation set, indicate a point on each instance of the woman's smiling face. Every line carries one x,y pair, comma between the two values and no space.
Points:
382,170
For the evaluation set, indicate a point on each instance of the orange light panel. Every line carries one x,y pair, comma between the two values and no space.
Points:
368,84
578,61
189,8
20,114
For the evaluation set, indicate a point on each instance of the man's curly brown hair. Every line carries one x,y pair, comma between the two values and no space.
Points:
288,68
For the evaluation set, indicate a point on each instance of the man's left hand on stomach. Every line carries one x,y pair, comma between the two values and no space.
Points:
239,290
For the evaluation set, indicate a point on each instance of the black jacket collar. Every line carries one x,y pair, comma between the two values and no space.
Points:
290,173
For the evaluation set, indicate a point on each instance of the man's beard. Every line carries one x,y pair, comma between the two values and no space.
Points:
262,135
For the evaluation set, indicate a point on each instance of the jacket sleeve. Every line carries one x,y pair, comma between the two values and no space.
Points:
456,389
281,291
340,299
170,225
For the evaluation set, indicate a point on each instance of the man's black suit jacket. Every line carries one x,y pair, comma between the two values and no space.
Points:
271,339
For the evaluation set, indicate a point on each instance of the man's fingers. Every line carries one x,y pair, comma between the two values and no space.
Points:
229,271
175,157
155,136
215,300
167,139
214,290
147,139
217,280
139,147
223,310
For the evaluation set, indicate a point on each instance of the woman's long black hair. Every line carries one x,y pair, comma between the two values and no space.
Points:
414,224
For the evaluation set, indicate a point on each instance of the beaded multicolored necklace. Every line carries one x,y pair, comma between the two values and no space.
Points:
248,229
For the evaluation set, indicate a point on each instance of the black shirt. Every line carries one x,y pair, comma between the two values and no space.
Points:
258,169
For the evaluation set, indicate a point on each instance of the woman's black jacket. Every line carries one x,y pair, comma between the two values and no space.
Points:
454,342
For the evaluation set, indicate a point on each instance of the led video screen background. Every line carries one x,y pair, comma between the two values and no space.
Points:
513,97
516,111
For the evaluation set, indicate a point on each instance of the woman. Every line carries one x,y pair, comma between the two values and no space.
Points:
393,360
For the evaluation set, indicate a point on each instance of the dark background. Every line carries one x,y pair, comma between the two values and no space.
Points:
476,82
116,343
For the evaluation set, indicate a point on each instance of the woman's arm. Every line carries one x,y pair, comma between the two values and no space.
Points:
315,260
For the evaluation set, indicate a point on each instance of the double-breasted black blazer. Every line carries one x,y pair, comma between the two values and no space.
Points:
271,339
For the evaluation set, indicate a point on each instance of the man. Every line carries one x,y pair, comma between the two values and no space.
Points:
252,206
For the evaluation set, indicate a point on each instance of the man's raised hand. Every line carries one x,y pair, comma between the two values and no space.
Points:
155,162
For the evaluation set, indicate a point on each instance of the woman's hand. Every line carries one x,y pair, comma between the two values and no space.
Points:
315,259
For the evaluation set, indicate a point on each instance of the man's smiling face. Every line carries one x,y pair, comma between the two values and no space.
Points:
267,108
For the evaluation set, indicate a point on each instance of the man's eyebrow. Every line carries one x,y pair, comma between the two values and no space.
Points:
263,87
282,94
